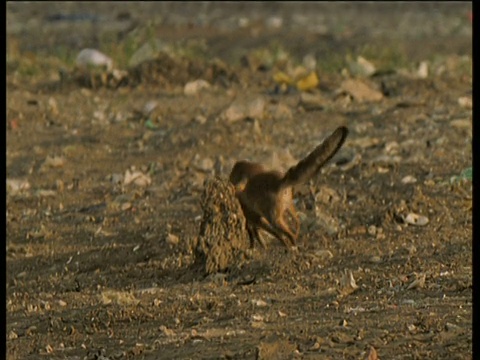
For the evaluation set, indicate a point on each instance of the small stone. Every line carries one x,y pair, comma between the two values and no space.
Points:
372,230
419,282
362,67
195,87
205,164
308,82
149,107
125,206
172,239
52,106
360,91
312,101
166,331
259,303
415,219
465,102
409,179
422,71
200,119
461,123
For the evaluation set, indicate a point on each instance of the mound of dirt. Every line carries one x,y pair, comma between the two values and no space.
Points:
164,70
223,240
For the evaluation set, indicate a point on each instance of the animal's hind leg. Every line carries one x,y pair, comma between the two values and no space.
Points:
275,231
293,214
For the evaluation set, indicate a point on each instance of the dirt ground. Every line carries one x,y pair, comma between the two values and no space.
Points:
106,171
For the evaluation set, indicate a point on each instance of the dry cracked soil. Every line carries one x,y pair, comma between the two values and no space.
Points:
107,170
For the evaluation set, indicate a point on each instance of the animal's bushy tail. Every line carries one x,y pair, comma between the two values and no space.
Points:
309,166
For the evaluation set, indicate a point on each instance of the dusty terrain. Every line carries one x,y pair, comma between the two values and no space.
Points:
106,171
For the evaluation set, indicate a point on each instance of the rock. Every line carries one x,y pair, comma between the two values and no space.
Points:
308,82
204,164
52,106
418,283
465,102
362,67
274,22
172,239
52,162
281,111
360,91
364,142
327,195
461,123
239,110
201,119
149,107
194,87
348,285
309,62
422,72
312,101
415,219
409,179
15,186
92,57
137,177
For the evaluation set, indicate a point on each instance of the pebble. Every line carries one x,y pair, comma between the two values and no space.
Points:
362,67
194,87
465,102
409,179
415,219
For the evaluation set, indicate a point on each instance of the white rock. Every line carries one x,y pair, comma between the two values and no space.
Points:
362,67
422,71
415,219
409,179
92,57
194,87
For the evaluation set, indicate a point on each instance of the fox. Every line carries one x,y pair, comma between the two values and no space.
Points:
266,196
